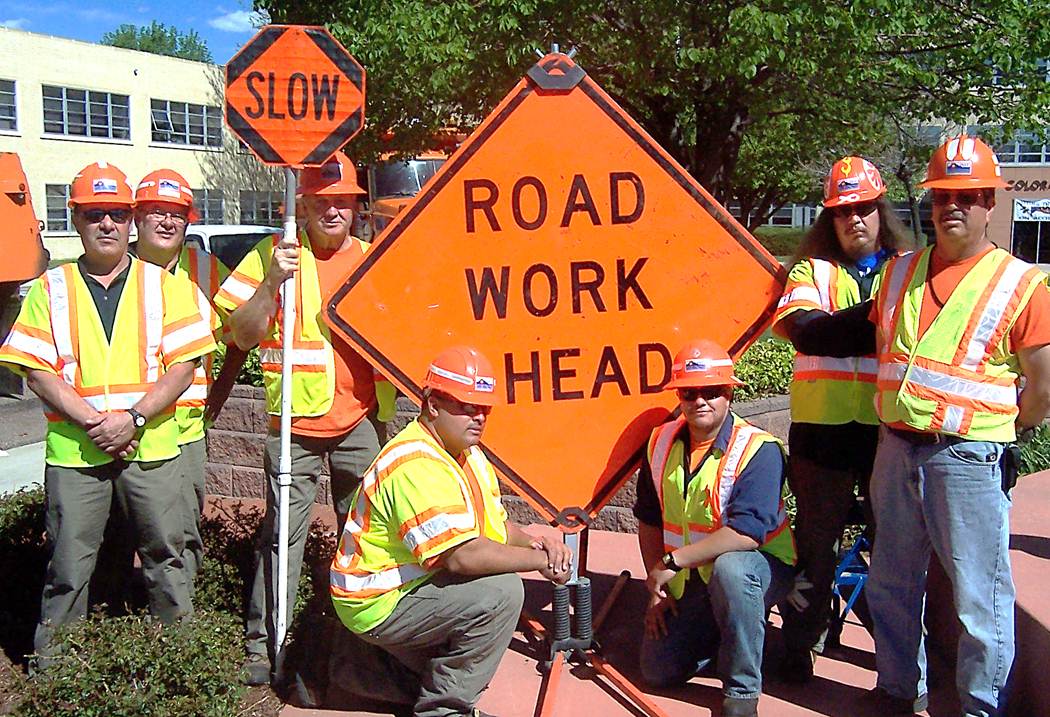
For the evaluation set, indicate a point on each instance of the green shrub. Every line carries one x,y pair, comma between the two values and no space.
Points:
1035,453
780,241
765,368
250,373
23,553
135,667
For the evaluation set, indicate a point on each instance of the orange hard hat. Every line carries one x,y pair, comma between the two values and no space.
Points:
168,187
100,183
336,176
702,363
852,180
963,162
465,374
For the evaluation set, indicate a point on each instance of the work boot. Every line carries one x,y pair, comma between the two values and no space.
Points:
740,707
796,668
888,704
256,669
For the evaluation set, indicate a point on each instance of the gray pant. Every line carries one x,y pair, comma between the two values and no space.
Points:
191,476
78,506
439,648
349,456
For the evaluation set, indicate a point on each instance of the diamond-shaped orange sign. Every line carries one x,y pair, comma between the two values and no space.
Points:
573,251
294,95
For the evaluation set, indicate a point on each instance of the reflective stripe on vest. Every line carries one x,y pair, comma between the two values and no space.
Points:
813,368
963,386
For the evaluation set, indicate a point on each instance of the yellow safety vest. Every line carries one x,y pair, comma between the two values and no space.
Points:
414,503
694,512
960,377
206,273
827,390
59,330
313,358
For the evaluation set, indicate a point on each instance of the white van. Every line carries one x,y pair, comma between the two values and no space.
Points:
229,242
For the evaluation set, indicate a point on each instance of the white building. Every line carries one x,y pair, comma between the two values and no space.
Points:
66,103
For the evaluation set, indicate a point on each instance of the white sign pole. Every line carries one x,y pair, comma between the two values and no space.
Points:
284,477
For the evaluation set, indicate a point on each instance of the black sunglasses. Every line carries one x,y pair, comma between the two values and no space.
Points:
962,197
459,408
861,209
708,393
94,216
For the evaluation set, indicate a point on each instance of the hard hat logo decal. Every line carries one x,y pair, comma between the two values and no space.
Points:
959,167
104,186
692,365
872,173
847,165
168,188
485,383
849,184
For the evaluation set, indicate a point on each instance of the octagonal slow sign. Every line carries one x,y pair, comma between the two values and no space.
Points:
573,251
294,95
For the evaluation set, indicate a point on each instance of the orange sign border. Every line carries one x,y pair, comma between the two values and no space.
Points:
540,77
343,60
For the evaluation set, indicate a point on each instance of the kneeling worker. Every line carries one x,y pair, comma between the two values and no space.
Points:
425,567
713,534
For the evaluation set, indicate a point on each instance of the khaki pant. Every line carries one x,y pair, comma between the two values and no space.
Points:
191,476
78,506
438,650
349,456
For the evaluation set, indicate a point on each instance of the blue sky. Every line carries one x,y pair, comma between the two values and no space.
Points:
225,25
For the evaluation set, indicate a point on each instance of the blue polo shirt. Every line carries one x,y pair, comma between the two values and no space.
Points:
753,508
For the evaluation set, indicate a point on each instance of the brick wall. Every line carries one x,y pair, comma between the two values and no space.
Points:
235,454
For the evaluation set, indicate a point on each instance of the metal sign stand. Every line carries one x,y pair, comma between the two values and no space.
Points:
576,641
284,475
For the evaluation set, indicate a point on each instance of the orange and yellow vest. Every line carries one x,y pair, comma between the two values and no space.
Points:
414,503
960,377
824,389
690,513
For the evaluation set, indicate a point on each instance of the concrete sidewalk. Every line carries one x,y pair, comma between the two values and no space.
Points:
21,467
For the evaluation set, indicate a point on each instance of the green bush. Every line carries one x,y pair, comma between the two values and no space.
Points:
765,368
23,553
250,373
1035,453
780,241
135,667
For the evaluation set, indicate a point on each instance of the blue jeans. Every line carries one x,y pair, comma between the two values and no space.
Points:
727,617
948,497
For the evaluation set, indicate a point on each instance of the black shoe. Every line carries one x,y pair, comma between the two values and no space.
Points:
797,667
892,705
256,669
740,707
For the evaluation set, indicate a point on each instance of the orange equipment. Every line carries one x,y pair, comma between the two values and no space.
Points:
336,176
166,186
465,374
24,254
964,162
394,183
702,363
852,180
100,183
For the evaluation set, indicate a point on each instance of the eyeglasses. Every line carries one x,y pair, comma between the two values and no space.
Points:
861,209
159,215
459,408
708,393
961,197
94,216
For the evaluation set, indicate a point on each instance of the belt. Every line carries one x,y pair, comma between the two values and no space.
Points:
919,438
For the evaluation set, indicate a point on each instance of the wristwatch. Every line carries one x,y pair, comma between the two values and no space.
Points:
136,418
669,563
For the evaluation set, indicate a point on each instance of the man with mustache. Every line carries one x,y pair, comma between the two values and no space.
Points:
108,343
335,397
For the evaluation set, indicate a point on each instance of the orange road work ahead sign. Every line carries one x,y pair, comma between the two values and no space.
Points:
568,247
294,95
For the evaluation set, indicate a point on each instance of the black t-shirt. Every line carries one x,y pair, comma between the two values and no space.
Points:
106,299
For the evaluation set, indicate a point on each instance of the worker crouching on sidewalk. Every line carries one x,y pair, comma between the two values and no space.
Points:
425,571
713,533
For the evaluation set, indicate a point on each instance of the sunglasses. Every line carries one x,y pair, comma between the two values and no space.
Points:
963,197
458,408
159,215
708,393
861,209
94,216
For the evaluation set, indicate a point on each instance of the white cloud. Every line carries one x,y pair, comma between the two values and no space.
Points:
239,21
16,23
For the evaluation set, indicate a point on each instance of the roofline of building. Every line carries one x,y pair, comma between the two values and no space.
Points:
109,47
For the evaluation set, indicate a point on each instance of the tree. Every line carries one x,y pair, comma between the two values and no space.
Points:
741,92
160,39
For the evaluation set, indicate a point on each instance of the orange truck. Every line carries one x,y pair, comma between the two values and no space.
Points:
392,183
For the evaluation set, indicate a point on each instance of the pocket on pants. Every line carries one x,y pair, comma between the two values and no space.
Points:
976,453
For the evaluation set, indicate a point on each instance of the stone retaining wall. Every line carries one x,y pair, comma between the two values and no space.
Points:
235,454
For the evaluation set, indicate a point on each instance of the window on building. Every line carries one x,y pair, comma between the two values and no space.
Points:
57,198
186,123
8,106
1022,148
209,204
86,113
260,207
